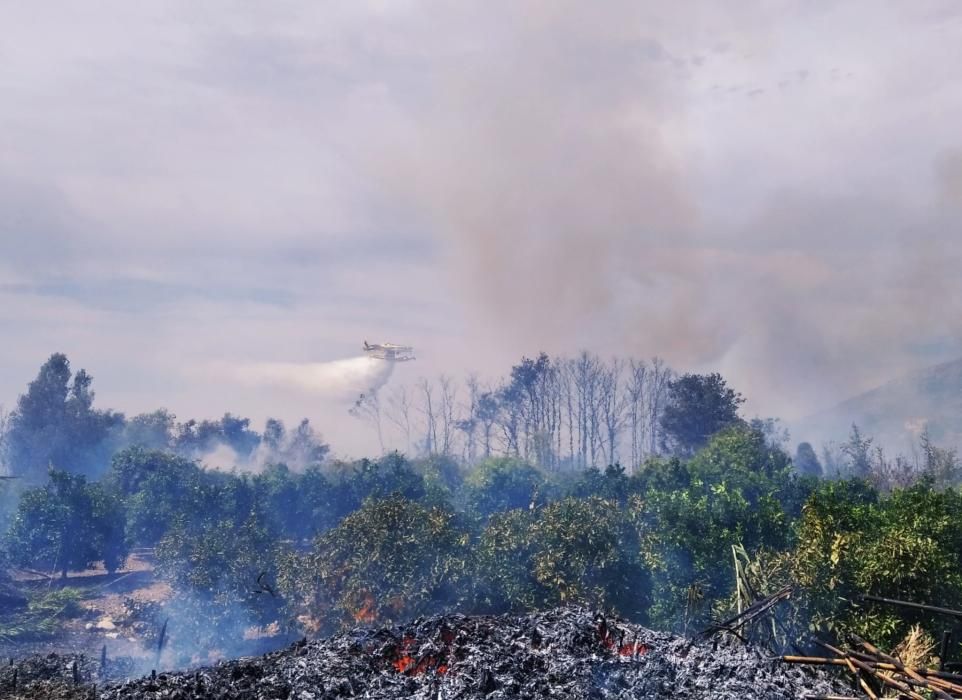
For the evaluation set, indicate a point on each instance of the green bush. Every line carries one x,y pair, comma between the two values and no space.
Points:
692,513
390,560
851,543
573,551
68,525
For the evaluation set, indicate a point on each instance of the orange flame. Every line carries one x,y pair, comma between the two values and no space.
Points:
409,665
623,649
403,664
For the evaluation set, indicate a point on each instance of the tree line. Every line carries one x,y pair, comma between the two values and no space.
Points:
55,424
380,541
557,413
336,543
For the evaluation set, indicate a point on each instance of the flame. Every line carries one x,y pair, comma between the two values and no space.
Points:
622,648
403,664
409,665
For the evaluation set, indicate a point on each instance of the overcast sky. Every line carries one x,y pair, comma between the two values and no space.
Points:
772,190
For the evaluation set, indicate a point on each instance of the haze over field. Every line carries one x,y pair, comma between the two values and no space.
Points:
770,190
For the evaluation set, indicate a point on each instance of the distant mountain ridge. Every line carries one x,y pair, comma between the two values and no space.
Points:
897,412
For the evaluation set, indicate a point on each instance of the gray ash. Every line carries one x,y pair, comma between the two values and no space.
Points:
562,653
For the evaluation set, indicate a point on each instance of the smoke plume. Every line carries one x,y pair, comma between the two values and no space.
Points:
338,380
561,167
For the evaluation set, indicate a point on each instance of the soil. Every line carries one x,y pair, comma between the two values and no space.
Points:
102,599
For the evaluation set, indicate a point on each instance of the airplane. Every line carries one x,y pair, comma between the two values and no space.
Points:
389,352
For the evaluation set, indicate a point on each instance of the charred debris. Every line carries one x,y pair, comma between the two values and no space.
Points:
569,652
563,653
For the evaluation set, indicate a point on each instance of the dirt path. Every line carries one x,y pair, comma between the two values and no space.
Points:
102,597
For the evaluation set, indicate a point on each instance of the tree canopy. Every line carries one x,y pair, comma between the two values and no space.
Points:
699,405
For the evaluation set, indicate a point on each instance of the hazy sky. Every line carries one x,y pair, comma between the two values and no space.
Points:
768,189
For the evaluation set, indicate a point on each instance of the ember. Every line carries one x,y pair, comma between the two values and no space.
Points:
563,653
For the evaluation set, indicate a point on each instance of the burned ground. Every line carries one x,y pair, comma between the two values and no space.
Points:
562,653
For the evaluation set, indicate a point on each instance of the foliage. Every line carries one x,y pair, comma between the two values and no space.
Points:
391,559
806,461
699,405
501,484
356,482
729,494
299,506
156,487
858,453
612,484
152,431
68,524
223,563
940,465
571,551
55,424
851,543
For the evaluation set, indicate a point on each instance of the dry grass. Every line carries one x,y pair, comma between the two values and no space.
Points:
916,650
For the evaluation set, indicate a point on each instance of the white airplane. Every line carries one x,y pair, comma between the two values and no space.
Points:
389,352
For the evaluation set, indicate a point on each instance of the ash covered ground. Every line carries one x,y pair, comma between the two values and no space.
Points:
562,653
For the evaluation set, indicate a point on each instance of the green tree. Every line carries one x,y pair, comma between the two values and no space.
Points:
156,488
572,551
502,484
67,525
299,506
55,424
858,451
853,542
699,405
222,560
392,559
152,431
738,490
806,461
940,465
612,484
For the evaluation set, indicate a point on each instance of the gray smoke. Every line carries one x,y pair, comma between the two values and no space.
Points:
559,163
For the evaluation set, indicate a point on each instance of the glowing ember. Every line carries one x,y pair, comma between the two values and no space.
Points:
615,641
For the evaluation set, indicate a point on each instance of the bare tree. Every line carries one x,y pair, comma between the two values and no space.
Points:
448,404
398,411
488,411
368,407
566,382
585,371
469,424
429,411
635,387
577,411
4,432
660,377
612,407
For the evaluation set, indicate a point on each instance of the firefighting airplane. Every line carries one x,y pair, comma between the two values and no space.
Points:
390,352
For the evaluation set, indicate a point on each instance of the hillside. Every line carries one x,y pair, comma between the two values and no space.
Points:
896,412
